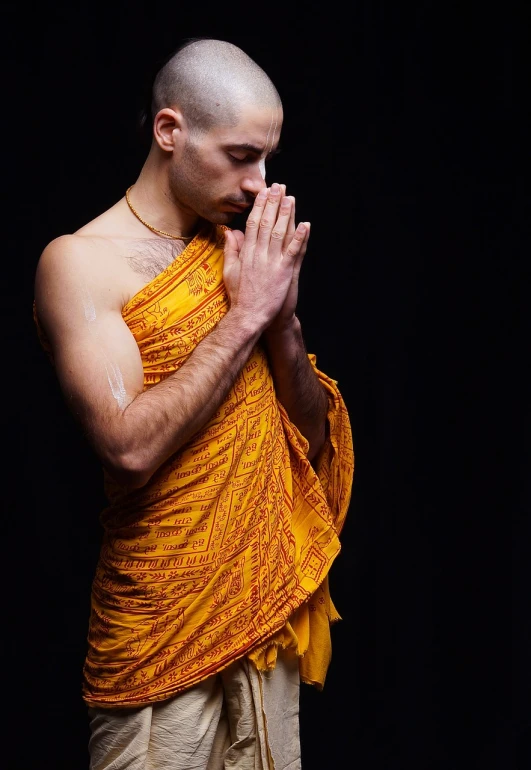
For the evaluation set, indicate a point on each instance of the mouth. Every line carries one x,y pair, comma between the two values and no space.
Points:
237,207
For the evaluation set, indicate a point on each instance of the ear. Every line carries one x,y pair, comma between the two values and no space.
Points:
168,128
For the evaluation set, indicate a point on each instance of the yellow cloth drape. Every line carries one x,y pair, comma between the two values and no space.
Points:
226,551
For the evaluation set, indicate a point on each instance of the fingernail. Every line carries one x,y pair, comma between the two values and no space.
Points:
275,188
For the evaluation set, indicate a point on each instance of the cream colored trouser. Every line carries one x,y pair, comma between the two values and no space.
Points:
239,719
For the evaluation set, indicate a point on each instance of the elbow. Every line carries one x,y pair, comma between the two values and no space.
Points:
128,469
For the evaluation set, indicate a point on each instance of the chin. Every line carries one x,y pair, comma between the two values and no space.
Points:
227,216
222,217
233,218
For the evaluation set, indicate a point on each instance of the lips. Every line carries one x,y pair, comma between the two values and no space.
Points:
238,206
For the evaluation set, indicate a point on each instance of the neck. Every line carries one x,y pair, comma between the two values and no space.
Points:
151,197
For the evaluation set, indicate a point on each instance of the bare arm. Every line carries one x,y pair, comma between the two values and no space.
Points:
297,386
98,362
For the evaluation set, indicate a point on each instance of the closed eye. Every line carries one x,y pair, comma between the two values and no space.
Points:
251,158
236,159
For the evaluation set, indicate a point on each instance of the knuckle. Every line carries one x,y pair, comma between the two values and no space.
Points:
276,235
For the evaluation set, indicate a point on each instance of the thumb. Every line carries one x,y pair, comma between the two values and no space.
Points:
231,249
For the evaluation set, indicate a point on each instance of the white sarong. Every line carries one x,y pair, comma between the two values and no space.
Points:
239,719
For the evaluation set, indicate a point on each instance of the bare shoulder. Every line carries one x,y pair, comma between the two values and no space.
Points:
69,252
74,259
89,253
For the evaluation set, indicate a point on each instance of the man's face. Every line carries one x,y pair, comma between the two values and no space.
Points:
219,174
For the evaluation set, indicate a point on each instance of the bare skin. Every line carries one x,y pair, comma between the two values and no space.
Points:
84,280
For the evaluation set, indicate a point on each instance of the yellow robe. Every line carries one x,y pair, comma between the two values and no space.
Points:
225,552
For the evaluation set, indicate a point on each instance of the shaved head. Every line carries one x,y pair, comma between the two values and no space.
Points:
210,81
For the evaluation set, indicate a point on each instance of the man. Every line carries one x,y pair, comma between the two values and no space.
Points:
227,454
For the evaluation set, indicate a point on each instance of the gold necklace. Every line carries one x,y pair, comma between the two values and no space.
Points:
184,238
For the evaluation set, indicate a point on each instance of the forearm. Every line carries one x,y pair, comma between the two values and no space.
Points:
159,421
297,386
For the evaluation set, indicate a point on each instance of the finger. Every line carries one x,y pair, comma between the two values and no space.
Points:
232,247
252,224
269,217
302,250
240,237
290,230
231,243
299,241
291,225
278,234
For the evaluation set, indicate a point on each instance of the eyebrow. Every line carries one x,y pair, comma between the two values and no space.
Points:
254,149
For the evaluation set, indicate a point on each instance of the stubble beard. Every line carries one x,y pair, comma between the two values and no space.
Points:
188,183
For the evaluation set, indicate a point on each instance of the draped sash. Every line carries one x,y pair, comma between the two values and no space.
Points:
226,551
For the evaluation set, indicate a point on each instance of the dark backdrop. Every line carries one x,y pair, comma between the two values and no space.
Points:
405,144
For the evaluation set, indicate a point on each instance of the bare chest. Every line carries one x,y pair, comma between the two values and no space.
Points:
143,260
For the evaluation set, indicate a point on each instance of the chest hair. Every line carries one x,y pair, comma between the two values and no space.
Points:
151,256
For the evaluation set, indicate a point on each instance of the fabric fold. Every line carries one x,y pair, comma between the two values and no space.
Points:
308,630
226,551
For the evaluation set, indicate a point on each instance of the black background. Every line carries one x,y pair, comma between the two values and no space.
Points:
406,143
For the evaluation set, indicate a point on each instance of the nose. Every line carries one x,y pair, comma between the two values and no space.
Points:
254,180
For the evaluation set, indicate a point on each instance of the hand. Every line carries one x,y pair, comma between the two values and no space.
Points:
286,314
261,268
